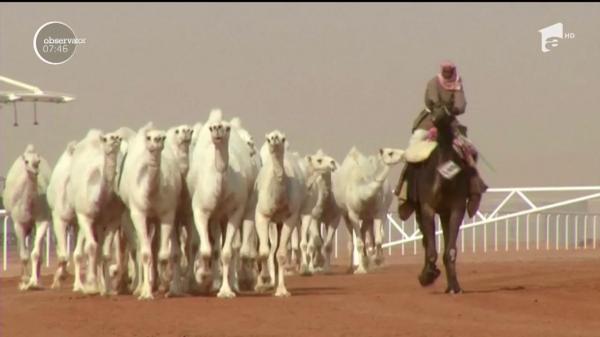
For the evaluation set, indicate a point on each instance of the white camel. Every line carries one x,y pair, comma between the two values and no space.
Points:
361,191
317,169
245,243
178,143
25,202
150,186
63,214
91,192
218,178
281,191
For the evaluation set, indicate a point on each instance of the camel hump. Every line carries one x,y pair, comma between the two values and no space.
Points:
71,146
236,122
216,115
29,148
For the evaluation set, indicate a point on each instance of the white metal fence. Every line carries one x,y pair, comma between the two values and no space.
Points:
537,226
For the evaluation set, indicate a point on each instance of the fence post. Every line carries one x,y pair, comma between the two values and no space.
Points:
527,231
506,236
585,231
517,235
567,232
48,246
462,237
336,243
485,236
595,231
557,224
537,231
474,220
5,243
414,231
496,235
548,232
402,246
576,230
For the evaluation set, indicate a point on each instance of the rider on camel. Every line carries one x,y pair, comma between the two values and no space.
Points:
444,95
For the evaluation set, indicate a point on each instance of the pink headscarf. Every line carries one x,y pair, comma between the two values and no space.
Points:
455,82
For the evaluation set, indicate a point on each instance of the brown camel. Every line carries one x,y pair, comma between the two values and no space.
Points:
432,193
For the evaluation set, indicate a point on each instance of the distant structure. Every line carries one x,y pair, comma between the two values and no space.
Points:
29,93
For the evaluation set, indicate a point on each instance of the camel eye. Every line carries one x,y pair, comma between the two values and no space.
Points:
148,138
390,153
319,161
176,132
27,162
227,128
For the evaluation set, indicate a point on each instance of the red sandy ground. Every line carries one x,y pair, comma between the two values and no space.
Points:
538,294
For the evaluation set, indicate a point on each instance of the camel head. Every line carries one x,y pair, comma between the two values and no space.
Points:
249,140
390,156
154,142
181,136
111,142
276,141
219,132
31,160
322,163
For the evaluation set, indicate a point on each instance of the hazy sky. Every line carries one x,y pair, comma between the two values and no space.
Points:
328,75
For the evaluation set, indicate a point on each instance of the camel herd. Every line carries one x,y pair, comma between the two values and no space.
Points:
195,209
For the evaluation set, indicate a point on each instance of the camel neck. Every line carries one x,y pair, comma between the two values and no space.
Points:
110,167
383,173
182,153
221,157
277,162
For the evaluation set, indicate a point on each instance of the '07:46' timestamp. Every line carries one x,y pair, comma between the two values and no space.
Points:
55,48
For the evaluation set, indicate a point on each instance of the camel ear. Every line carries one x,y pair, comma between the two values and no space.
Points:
381,152
309,159
267,138
334,165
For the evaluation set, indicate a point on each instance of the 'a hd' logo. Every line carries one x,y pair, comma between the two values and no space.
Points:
552,34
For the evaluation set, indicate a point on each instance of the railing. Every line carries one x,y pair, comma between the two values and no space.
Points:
487,219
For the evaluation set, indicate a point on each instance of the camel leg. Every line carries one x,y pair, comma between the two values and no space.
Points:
314,244
191,248
294,253
176,287
60,231
262,229
21,234
248,253
236,245
36,262
356,224
451,227
90,248
103,258
273,238
378,229
144,254
77,261
426,220
368,238
203,274
216,233
284,237
165,254
351,249
226,255
304,232
328,246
